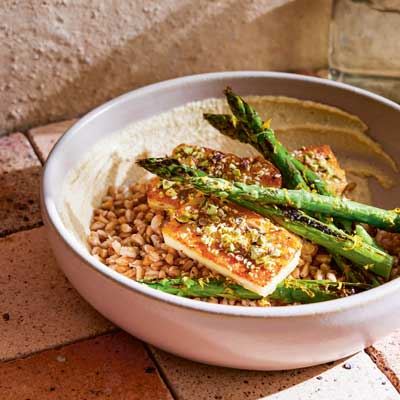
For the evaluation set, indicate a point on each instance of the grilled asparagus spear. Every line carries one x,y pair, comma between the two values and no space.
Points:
299,199
266,143
288,291
328,236
247,126
264,138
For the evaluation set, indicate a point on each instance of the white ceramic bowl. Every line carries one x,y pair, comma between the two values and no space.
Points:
240,337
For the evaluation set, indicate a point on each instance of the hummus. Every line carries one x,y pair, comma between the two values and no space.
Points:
297,123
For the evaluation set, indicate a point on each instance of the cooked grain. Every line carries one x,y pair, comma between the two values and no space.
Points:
126,235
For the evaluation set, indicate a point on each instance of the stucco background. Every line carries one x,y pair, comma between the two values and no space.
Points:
61,58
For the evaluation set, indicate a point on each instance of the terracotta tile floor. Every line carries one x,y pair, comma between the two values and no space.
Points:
41,315
40,309
19,182
112,366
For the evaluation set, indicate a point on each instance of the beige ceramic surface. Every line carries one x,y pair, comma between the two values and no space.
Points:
256,338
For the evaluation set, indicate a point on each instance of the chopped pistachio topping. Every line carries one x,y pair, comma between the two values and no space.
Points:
249,240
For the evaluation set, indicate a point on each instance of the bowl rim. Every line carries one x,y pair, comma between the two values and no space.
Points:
52,217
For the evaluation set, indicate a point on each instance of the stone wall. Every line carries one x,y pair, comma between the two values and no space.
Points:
61,58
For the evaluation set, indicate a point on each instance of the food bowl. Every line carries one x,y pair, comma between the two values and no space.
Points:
271,338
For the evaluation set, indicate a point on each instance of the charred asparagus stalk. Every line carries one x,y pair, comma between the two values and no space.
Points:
328,236
247,126
266,143
299,199
312,202
362,233
288,291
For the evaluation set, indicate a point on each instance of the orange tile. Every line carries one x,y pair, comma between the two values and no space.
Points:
386,354
44,137
114,366
19,200
20,171
16,153
356,377
38,307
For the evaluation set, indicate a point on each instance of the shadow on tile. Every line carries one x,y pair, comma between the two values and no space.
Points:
19,200
353,377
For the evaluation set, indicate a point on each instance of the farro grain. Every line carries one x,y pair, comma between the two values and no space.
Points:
116,245
305,270
130,273
194,272
213,300
324,267
169,258
188,263
107,205
151,274
126,235
110,226
156,240
128,251
146,261
97,225
125,228
122,220
120,268
157,265
148,248
101,234
149,231
318,275
154,256
331,276
171,250
138,239
94,239
322,258
295,273
156,223
174,271
139,273
129,215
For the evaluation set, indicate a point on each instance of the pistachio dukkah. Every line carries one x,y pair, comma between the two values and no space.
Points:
275,229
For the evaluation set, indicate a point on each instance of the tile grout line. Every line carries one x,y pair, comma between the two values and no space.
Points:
161,372
39,224
115,330
23,229
375,355
27,127
34,147
55,347
379,360
60,346
37,154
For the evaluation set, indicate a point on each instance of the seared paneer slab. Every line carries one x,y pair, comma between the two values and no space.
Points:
251,170
324,163
235,242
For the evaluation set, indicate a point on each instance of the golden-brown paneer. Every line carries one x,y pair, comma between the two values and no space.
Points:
324,163
250,170
235,242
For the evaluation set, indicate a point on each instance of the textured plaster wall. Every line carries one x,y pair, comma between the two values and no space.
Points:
59,59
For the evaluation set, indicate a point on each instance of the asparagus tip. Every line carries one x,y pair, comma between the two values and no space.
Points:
228,91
